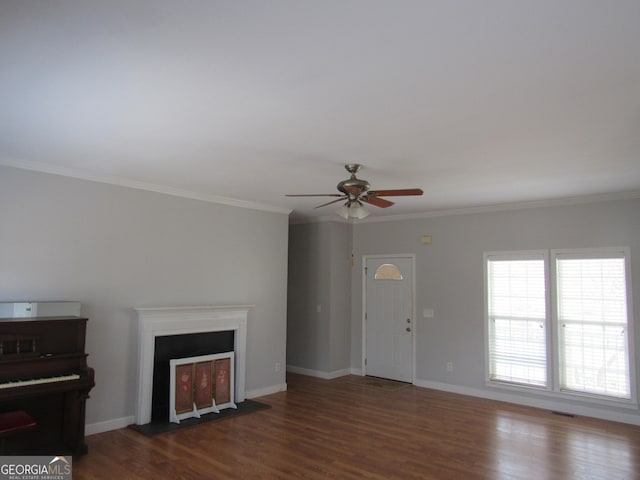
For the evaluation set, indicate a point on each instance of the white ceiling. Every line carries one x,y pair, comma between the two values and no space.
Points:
478,102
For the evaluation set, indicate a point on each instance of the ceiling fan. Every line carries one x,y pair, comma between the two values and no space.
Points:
355,191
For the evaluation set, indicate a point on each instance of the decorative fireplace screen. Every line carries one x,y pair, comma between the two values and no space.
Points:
200,385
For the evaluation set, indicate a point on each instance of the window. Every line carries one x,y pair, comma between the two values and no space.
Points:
388,271
592,325
517,319
582,344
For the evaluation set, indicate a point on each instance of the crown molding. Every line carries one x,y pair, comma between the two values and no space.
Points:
125,182
556,202
445,212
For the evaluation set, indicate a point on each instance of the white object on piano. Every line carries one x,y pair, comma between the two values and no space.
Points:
39,309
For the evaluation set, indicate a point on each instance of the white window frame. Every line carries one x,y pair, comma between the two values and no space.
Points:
596,253
553,388
516,256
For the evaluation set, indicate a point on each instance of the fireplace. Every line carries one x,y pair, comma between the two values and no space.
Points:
171,347
168,321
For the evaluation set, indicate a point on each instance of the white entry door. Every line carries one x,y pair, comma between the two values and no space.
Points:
389,322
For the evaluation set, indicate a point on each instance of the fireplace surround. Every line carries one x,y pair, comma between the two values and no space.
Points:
163,321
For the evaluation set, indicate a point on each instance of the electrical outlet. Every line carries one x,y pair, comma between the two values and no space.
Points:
278,367
449,366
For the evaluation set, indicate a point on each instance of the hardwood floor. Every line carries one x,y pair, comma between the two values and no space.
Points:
336,429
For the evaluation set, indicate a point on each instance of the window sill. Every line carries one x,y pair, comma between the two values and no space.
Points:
545,392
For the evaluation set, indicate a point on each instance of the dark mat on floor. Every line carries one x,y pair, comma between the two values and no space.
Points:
378,383
155,428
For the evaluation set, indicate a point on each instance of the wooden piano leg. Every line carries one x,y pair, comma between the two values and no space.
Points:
74,415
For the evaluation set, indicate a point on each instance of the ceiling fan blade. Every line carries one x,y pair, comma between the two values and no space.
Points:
396,193
377,201
332,201
315,195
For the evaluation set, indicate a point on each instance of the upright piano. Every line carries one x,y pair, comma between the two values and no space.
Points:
44,372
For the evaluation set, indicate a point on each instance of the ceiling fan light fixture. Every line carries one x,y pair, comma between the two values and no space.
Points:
343,211
358,211
355,210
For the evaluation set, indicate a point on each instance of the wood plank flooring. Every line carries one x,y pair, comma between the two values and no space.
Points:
336,429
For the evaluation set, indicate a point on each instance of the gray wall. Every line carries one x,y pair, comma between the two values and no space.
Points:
340,288
449,274
319,278
449,280
308,329
115,248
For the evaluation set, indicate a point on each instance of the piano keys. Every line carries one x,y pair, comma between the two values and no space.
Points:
38,381
44,371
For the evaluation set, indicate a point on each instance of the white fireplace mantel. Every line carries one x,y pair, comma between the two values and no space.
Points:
164,321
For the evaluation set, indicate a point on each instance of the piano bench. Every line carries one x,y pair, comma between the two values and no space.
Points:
12,423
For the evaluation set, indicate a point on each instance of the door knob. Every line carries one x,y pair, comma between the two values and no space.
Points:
408,329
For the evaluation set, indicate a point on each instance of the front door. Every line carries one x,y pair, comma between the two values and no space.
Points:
389,323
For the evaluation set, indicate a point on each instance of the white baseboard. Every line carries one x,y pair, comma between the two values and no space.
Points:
545,404
108,425
319,373
261,392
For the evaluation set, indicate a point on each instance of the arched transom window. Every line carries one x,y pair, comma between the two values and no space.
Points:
388,271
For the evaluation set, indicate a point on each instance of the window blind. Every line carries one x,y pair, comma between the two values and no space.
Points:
517,320
593,326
